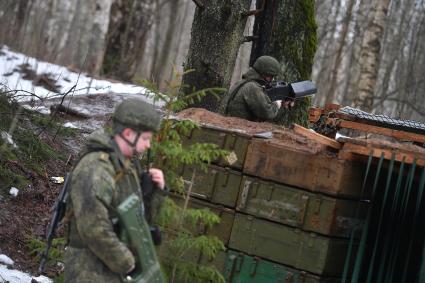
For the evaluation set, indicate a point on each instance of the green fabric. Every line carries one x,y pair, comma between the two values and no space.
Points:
267,66
250,101
136,114
96,190
229,96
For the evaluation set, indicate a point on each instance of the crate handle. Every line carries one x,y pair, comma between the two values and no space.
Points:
229,276
253,268
244,194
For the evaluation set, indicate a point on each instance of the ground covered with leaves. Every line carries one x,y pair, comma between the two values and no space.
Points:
31,152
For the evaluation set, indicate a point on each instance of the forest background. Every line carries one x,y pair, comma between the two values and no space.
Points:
368,54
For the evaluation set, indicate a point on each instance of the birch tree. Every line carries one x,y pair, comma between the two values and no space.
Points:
370,55
70,33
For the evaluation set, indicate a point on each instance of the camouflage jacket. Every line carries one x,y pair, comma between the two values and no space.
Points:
102,180
250,101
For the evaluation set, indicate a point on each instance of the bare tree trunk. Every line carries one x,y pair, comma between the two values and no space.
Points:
157,38
327,19
60,31
244,53
178,46
352,72
163,63
333,84
127,33
217,33
392,51
369,58
286,30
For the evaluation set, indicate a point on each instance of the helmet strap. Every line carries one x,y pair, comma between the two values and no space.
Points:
131,144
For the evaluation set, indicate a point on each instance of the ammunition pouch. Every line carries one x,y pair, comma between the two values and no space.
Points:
135,232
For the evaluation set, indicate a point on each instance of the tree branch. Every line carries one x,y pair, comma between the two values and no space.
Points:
199,3
250,38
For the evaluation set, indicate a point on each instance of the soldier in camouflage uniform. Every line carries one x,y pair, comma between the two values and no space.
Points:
103,178
247,98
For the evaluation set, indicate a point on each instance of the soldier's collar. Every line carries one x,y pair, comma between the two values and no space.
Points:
125,162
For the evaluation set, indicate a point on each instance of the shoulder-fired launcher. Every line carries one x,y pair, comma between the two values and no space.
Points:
290,91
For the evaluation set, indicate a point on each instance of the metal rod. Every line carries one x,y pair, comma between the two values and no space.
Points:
381,218
353,232
362,247
388,231
422,270
419,201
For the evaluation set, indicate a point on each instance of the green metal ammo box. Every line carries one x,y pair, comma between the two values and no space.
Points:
235,143
298,208
221,230
289,246
247,269
217,185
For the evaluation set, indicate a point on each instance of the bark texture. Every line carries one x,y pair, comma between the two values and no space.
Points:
286,30
127,34
370,56
217,33
60,31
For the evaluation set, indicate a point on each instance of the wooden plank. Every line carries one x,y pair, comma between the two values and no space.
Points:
314,114
316,136
401,135
314,172
408,156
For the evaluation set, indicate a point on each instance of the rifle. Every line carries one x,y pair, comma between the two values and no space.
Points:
290,91
58,214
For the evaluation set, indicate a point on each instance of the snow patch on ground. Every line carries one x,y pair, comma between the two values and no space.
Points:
6,260
70,125
16,276
8,139
14,191
11,79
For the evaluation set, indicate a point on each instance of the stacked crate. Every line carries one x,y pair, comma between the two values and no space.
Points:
286,209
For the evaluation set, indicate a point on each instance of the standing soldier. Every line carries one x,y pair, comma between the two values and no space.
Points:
102,180
247,99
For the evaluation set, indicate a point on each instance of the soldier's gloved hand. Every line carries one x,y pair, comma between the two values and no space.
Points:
157,177
279,103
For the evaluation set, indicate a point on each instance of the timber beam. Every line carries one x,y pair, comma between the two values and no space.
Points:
397,134
349,151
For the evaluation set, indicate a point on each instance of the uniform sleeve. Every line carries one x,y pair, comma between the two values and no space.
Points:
91,194
259,103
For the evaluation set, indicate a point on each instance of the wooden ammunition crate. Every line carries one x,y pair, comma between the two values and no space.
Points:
315,172
221,230
218,185
235,143
307,211
289,246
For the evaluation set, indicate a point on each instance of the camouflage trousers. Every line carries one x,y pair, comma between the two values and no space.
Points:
82,266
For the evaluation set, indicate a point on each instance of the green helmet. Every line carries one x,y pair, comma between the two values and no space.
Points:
267,66
135,114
